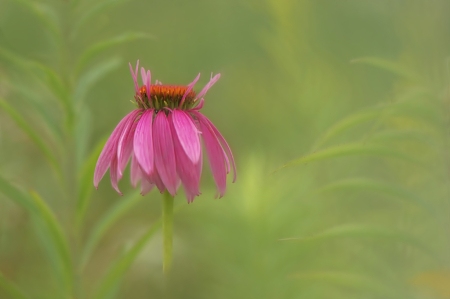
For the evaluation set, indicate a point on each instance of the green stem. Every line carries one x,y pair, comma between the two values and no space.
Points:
167,219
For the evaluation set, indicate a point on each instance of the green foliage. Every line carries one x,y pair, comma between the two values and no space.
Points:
10,288
56,236
353,149
102,46
389,66
121,265
105,223
362,214
32,134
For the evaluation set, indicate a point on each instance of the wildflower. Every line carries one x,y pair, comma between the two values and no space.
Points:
162,137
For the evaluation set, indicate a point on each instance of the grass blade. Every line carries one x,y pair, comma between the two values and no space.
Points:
91,77
38,141
17,196
364,232
10,288
389,66
86,183
44,74
41,108
346,123
91,13
101,46
362,184
121,265
350,149
106,222
49,229
45,14
56,235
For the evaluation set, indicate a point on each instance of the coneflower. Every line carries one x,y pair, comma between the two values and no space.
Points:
162,138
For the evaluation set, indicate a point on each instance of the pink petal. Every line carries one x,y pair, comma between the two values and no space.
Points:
201,116
154,178
135,172
146,185
187,134
113,173
215,156
143,76
109,150
164,152
208,86
125,143
199,106
224,144
187,170
134,75
190,86
143,141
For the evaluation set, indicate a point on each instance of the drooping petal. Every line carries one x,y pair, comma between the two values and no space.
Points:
188,134
135,172
201,116
215,156
113,174
143,141
187,170
134,75
146,185
109,150
143,76
154,178
223,141
125,143
199,105
190,86
164,152
208,86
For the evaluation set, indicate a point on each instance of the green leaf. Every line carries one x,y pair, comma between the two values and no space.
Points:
350,149
362,184
57,237
10,288
42,110
106,222
91,13
92,76
45,14
389,66
121,265
347,123
363,232
404,135
48,229
17,196
82,134
101,46
38,141
86,184
43,73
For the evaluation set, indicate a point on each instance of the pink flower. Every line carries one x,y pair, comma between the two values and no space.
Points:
162,137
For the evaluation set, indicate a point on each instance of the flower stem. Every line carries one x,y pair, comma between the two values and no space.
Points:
167,226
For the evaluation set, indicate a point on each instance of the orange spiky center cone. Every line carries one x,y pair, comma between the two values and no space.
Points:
165,96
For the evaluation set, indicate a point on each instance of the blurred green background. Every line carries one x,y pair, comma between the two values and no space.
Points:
353,95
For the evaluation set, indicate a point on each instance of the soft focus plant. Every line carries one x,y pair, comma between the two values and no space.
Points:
339,113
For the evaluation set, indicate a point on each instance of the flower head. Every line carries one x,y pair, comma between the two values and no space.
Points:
162,137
